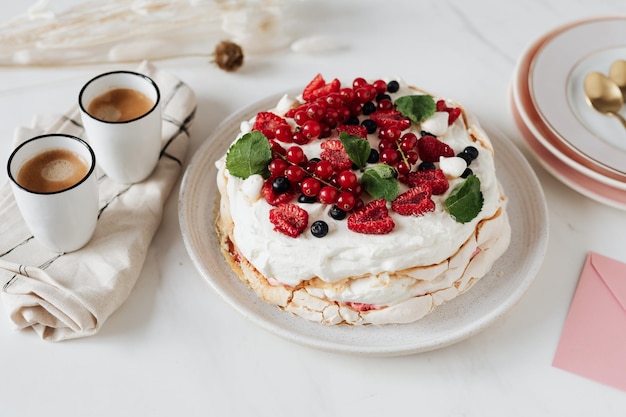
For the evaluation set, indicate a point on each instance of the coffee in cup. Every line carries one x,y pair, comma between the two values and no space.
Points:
52,170
120,105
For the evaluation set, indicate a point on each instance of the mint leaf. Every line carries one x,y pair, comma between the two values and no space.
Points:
249,156
417,108
466,200
380,182
358,149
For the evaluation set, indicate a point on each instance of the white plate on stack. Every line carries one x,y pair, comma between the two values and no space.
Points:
581,147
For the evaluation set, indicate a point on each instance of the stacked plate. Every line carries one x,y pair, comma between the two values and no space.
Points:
583,148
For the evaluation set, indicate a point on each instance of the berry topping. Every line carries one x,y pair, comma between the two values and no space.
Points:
370,125
318,88
354,130
289,219
373,157
393,86
414,202
272,197
373,218
319,228
434,178
430,149
471,151
337,213
390,118
334,152
305,199
267,123
280,185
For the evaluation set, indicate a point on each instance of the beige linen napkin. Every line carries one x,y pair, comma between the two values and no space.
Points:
65,296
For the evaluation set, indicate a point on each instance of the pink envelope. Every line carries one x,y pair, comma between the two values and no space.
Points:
593,342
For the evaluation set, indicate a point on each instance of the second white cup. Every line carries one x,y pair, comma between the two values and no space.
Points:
121,114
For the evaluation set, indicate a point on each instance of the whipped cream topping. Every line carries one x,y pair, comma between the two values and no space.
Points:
416,241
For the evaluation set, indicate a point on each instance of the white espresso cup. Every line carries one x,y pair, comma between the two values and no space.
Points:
121,114
54,182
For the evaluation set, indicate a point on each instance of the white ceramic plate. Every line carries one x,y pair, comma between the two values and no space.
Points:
459,319
556,86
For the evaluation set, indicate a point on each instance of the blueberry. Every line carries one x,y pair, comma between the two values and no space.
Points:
393,86
306,199
370,125
471,151
314,160
426,133
280,185
337,213
426,166
352,120
368,108
381,97
373,157
319,228
467,173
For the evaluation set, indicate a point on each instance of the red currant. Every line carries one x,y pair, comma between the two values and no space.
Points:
356,189
390,157
386,144
300,117
391,133
380,86
296,155
347,95
332,117
277,167
299,138
412,156
315,111
324,169
334,100
403,167
346,201
283,133
384,104
363,94
358,82
311,129
328,195
346,179
294,173
310,187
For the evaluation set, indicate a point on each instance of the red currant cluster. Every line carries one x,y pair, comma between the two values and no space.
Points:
316,179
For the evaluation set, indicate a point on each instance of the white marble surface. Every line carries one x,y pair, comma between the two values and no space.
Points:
175,348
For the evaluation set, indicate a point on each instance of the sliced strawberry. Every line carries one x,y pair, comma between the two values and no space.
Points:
354,130
334,152
267,122
430,149
289,219
272,197
414,202
390,118
372,219
434,178
317,82
318,88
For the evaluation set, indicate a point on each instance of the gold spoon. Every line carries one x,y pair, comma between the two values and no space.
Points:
604,95
617,73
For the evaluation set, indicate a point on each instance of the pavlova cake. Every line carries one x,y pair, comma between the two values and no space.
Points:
367,203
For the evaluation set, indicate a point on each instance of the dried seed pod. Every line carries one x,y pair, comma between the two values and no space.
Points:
228,56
